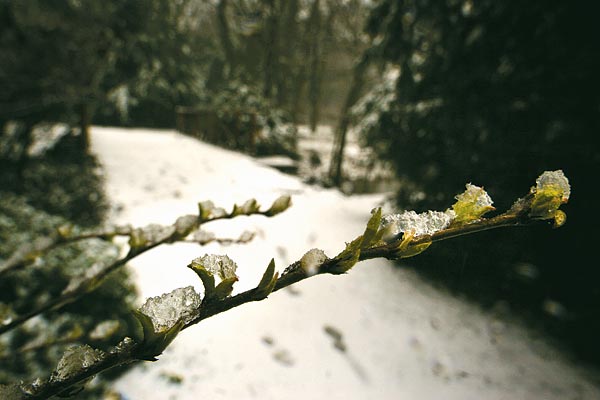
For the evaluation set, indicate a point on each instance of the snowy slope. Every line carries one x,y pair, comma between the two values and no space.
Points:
376,333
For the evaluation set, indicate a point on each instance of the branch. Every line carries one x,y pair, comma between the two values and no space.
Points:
393,236
140,241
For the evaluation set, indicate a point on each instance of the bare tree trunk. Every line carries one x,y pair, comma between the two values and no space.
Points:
271,49
84,126
315,62
288,31
225,36
337,157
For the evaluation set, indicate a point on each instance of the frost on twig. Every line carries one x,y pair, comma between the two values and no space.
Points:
219,265
554,180
162,317
420,224
74,359
551,191
168,309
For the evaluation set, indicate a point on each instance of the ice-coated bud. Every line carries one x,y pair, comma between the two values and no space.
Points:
221,266
149,234
476,195
426,223
186,224
471,204
555,179
280,205
551,191
312,260
74,360
166,310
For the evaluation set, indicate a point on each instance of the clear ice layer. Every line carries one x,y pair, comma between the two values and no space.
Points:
555,178
221,266
475,194
425,223
75,359
166,310
312,260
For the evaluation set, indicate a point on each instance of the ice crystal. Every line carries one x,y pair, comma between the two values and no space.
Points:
221,266
556,179
166,310
425,223
477,196
75,359
312,260
123,345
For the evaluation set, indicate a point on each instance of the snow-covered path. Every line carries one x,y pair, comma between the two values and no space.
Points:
378,332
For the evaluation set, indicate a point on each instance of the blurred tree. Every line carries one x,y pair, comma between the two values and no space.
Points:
497,91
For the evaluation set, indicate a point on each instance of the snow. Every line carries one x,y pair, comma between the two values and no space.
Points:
311,261
219,265
166,310
555,178
74,359
477,196
401,338
426,223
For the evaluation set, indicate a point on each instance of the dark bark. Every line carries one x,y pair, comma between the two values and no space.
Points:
358,80
225,36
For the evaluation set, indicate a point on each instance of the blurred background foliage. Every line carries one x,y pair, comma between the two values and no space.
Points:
494,93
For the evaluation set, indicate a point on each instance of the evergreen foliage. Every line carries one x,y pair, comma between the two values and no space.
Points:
494,92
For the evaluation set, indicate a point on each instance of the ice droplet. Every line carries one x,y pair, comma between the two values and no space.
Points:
222,266
425,223
554,178
312,260
74,360
166,310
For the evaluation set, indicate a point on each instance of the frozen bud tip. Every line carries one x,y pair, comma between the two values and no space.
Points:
280,205
554,180
475,195
76,359
219,265
312,260
168,309
472,204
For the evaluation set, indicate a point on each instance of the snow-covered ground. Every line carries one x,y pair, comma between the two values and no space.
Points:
378,332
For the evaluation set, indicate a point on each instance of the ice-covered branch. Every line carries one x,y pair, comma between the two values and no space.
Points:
395,236
141,240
